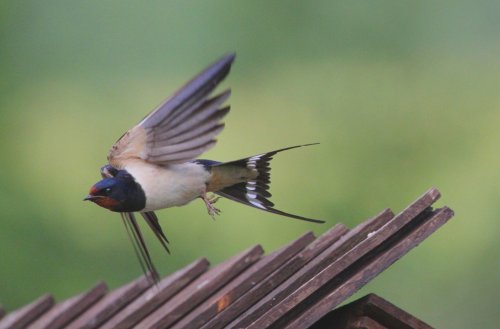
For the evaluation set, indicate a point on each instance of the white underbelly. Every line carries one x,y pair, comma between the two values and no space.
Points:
171,186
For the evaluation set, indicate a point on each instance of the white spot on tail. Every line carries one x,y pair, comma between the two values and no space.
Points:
251,185
256,157
251,195
252,162
257,204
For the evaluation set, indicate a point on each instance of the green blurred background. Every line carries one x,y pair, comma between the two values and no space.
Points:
402,95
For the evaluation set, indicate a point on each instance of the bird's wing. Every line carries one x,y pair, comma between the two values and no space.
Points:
140,248
153,223
181,128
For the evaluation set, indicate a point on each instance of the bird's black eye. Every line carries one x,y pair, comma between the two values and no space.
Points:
107,190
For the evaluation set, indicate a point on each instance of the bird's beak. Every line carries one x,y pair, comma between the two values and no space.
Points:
91,197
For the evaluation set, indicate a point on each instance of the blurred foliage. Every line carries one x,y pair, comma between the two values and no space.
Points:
402,95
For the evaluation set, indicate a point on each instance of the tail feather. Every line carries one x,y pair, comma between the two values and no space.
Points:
255,192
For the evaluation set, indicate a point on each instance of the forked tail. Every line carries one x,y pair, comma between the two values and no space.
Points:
254,192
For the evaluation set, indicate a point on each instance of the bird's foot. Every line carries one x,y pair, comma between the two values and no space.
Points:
209,203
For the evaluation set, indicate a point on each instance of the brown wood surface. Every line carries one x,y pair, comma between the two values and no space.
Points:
158,294
111,304
371,306
241,284
347,284
316,265
277,277
22,317
199,290
389,315
61,314
347,256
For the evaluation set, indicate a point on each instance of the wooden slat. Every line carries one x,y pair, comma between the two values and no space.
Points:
199,290
346,258
333,292
62,313
275,278
110,304
371,306
241,284
316,265
149,300
390,315
27,314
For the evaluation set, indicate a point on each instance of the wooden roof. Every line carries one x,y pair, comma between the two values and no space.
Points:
370,312
292,287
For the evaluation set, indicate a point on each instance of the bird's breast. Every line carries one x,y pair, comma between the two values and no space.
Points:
174,185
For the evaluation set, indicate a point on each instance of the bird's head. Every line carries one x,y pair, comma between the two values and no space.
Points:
120,193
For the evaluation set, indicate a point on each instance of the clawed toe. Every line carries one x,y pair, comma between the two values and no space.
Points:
212,211
209,203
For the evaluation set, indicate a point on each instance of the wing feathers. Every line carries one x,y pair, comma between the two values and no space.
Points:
183,156
191,92
187,145
152,220
183,127
198,113
194,127
140,248
201,130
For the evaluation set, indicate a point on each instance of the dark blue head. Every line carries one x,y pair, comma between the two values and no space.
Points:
120,193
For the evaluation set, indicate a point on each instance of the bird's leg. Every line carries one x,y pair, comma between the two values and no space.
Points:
209,203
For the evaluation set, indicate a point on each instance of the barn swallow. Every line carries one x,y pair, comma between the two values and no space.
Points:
154,166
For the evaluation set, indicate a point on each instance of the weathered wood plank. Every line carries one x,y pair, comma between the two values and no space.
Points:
347,253
158,294
333,292
316,265
274,279
109,305
371,306
390,315
22,317
199,290
241,284
62,313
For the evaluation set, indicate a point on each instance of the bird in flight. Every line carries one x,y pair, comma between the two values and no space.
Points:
154,165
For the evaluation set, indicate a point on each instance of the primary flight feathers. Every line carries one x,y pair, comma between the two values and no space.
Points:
181,128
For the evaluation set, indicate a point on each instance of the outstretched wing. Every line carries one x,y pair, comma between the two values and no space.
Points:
140,247
181,128
152,220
